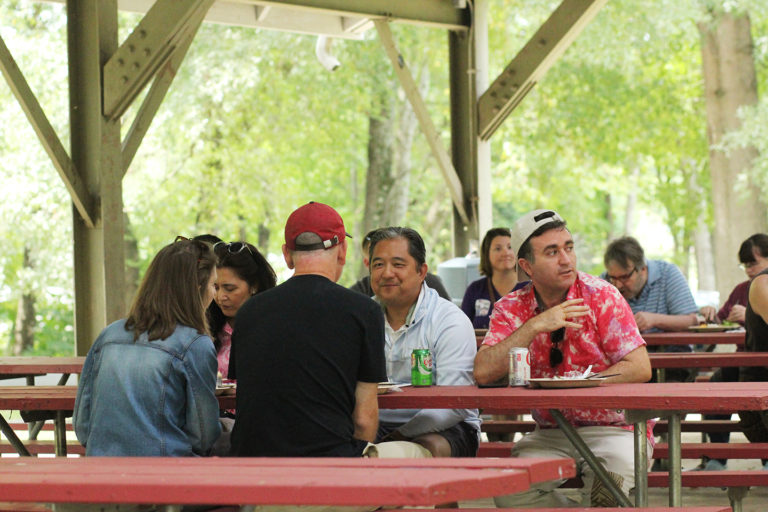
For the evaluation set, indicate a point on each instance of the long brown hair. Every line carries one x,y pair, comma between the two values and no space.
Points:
173,291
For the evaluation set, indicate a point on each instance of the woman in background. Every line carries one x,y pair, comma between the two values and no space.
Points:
148,382
242,273
499,266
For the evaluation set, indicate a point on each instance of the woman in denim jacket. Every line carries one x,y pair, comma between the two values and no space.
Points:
148,383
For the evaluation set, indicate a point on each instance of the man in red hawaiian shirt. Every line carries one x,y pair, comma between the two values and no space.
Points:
567,320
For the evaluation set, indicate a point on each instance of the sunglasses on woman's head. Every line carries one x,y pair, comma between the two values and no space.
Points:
232,247
555,354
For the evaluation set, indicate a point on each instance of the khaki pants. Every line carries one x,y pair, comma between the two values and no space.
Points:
612,446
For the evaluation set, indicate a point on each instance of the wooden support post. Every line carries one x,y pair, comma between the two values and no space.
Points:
99,262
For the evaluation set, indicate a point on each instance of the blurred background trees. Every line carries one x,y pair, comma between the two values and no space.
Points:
620,137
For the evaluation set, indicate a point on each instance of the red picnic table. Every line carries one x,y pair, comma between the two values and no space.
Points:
30,367
640,401
707,359
270,481
21,366
58,399
694,338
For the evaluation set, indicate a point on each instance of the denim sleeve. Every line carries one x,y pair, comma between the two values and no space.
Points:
81,416
202,422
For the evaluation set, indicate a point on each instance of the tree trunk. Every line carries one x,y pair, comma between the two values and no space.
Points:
629,213
609,235
380,156
729,83
24,328
702,237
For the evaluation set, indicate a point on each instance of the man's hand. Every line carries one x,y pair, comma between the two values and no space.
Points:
492,363
709,313
737,314
645,320
557,316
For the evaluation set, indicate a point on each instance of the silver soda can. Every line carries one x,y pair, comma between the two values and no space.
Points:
519,366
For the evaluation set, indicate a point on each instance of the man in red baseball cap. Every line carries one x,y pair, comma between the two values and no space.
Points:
314,219
309,353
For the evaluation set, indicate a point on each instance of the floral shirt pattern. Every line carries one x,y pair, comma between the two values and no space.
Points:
608,334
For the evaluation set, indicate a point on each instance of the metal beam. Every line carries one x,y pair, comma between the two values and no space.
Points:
536,57
425,122
436,13
82,200
145,51
156,94
463,135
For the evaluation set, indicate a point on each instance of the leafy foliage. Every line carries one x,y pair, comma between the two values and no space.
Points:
253,126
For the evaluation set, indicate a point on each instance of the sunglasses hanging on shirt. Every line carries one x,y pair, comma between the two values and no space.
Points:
555,354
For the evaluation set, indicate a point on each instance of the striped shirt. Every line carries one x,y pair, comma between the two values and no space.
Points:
666,292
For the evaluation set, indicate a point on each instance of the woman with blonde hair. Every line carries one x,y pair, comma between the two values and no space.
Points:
148,383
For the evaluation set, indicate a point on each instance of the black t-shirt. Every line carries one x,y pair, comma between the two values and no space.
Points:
756,340
301,349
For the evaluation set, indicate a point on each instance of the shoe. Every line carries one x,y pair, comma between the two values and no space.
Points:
765,466
710,465
715,465
600,496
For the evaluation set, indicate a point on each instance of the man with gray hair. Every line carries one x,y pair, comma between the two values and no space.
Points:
657,293
310,353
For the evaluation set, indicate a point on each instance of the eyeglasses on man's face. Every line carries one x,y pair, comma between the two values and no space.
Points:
622,278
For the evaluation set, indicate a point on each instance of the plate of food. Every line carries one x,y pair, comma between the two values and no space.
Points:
226,389
386,387
564,382
712,328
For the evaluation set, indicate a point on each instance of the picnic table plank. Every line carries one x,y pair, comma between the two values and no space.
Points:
707,359
38,365
258,481
694,396
694,338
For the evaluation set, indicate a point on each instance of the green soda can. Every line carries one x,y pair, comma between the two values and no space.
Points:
421,367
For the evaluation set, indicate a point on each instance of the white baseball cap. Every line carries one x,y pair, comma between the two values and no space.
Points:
526,225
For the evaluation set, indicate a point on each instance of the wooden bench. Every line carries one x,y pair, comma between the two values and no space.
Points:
48,427
38,447
15,506
715,450
506,426
737,482
608,509
274,481
661,451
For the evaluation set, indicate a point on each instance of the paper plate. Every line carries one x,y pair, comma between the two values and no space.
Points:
564,383
226,389
386,387
712,328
